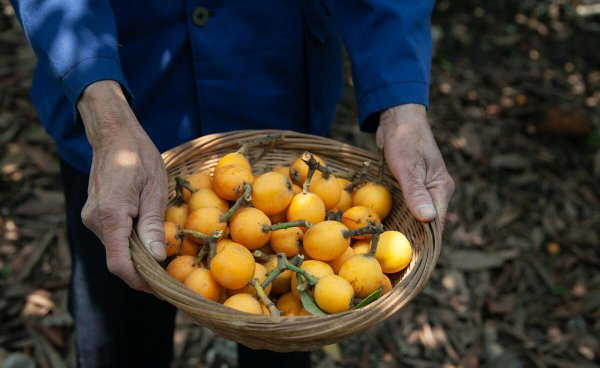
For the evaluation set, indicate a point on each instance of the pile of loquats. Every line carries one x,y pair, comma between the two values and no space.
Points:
299,240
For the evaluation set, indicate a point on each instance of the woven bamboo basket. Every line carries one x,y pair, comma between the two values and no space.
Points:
284,334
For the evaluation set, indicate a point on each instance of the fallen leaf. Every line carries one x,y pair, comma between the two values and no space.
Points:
46,203
45,162
503,305
513,161
477,260
565,123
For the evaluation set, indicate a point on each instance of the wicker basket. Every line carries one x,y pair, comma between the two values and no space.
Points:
285,334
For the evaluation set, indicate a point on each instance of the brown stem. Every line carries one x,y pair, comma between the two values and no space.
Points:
270,139
335,216
312,167
362,176
242,201
371,228
261,155
381,165
311,161
264,298
178,193
260,255
212,245
374,242
201,254
286,225
348,174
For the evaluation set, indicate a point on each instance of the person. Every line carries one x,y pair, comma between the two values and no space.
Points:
117,82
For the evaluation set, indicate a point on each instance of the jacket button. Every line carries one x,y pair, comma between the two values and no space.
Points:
200,16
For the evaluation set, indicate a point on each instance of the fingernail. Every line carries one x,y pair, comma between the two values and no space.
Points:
158,250
426,210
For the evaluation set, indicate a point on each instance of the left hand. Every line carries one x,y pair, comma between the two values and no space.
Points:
415,161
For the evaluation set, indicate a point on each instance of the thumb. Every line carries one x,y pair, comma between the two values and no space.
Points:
417,197
150,226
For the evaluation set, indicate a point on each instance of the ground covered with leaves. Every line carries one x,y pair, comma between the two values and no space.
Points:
515,108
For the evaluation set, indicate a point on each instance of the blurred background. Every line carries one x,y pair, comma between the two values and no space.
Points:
515,109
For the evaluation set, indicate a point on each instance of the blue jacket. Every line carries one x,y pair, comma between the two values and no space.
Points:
202,66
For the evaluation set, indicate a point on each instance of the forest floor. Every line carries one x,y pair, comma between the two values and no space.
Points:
515,109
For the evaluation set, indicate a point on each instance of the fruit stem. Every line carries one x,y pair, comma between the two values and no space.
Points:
195,234
286,225
201,254
375,240
381,165
212,245
310,278
185,184
309,160
303,286
260,255
178,193
371,228
297,260
264,298
335,216
281,266
242,201
270,139
362,176
348,174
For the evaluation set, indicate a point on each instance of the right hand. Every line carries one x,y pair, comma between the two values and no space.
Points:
128,180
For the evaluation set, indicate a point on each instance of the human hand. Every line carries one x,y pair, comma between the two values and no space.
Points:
415,161
128,180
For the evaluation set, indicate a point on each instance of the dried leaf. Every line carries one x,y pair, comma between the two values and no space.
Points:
565,123
47,203
43,161
513,161
503,305
477,260
472,140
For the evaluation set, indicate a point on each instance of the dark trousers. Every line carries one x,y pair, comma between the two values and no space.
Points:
117,326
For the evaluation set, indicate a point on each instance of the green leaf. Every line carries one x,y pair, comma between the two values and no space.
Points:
5,272
370,299
593,139
308,302
560,290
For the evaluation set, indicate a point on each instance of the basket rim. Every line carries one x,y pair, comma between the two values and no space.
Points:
387,305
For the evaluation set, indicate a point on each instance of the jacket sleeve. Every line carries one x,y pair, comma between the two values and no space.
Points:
75,39
389,44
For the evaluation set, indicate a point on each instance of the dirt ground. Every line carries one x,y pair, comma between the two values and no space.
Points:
515,109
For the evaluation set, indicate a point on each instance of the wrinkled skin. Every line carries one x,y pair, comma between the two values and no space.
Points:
128,179
415,160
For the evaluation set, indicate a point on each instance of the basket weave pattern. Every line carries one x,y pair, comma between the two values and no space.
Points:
284,334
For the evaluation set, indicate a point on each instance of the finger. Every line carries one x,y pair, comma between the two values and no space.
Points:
115,227
118,261
416,194
150,225
441,193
